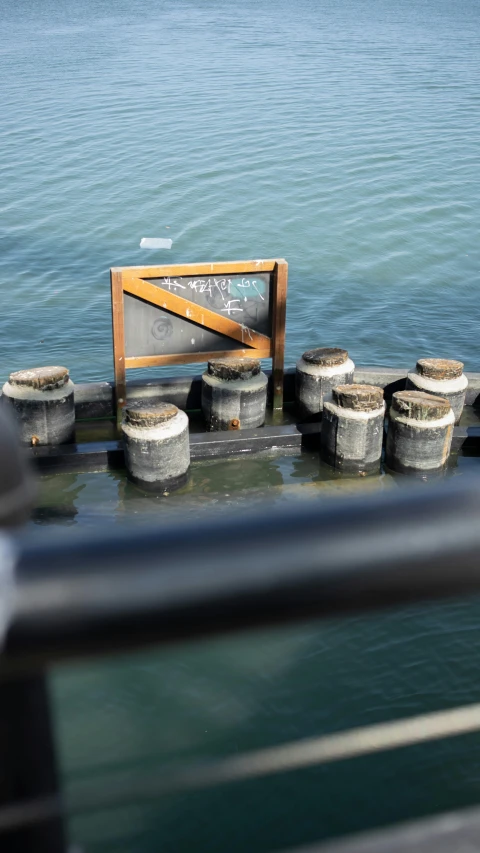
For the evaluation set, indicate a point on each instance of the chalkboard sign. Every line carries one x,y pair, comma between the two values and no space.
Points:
193,312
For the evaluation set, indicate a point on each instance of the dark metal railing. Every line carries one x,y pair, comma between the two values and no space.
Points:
299,561
106,594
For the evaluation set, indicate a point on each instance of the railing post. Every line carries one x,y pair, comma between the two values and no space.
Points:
27,754
27,762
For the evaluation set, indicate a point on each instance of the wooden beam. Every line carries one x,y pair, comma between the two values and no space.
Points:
118,341
192,357
196,313
218,268
278,330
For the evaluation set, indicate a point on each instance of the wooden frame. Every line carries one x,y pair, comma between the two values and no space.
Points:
132,280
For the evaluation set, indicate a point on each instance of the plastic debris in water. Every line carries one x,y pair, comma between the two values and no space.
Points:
155,243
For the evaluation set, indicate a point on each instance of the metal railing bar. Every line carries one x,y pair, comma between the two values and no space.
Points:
92,595
293,756
451,832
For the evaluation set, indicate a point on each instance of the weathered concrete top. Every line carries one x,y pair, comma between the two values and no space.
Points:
360,398
40,378
419,406
440,368
149,414
234,368
326,356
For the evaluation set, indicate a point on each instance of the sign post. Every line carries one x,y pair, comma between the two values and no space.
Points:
195,312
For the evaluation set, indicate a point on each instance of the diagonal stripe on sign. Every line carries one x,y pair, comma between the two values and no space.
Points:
196,313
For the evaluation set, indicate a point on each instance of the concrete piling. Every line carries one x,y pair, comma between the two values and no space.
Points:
441,377
318,372
42,402
234,394
419,433
156,445
352,429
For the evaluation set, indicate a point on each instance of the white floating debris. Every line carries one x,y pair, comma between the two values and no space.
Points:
155,243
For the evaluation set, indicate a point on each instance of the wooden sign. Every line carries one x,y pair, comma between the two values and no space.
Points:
195,312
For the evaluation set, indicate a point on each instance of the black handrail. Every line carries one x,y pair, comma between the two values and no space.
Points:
292,562
79,596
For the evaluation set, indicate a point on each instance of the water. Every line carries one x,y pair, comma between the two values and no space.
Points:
143,713
215,488
343,137
118,721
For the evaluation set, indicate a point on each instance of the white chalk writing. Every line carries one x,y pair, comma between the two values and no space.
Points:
229,307
222,293
174,284
221,289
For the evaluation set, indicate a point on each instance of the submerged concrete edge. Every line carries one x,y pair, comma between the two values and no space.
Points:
96,399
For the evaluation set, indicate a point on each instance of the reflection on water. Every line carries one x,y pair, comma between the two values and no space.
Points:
216,486
59,500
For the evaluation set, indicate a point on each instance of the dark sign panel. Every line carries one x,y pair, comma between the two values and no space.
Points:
187,313
153,330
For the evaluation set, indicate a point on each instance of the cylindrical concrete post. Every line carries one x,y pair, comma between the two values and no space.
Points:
441,377
234,394
156,445
42,401
318,372
352,429
419,433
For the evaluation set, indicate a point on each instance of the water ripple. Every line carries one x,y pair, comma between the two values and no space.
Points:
344,138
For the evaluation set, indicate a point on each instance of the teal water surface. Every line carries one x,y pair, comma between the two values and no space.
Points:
345,138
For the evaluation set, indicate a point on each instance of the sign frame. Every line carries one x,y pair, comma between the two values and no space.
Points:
132,280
